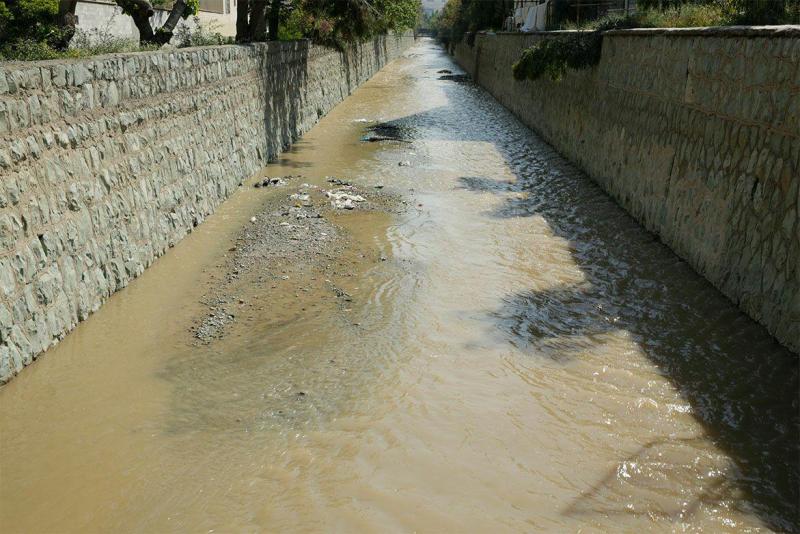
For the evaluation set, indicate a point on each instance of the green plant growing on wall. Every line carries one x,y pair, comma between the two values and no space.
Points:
580,50
552,57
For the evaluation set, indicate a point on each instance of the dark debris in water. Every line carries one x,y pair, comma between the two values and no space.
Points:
275,181
387,131
337,181
459,78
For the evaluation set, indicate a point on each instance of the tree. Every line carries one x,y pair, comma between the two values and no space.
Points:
274,19
36,20
331,22
142,10
242,24
397,14
257,20
447,20
461,16
67,21
53,21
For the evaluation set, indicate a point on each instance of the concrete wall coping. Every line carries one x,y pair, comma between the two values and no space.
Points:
715,31
15,65
171,50
787,30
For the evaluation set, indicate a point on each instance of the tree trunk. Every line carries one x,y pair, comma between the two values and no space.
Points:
258,20
164,33
67,21
274,19
242,25
140,11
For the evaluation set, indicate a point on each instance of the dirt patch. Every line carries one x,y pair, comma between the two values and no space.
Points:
291,252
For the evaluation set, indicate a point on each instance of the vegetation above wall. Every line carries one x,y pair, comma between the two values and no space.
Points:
460,17
329,22
46,29
552,57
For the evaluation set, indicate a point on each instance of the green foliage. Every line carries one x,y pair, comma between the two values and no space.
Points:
686,16
5,18
552,57
429,21
461,16
703,13
83,44
731,11
199,34
765,11
396,14
447,20
291,28
28,20
579,50
338,22
29,50
192,7
96,42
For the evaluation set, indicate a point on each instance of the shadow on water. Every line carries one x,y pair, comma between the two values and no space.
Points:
280,89
741,384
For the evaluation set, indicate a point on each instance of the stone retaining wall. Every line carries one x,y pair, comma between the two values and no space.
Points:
106,162
696,133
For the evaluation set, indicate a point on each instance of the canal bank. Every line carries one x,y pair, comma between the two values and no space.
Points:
109,161
517,354
695,132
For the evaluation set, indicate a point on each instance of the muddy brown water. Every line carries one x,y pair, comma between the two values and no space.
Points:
527,358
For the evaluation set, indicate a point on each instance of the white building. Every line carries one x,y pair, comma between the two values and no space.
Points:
106,17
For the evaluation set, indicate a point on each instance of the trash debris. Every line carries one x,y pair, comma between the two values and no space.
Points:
342,200
270,182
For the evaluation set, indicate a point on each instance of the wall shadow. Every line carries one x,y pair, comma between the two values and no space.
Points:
293,100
